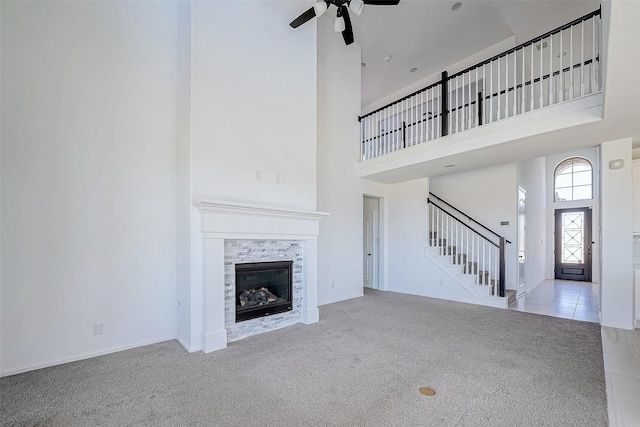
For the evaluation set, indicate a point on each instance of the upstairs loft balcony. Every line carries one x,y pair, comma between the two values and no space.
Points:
548,83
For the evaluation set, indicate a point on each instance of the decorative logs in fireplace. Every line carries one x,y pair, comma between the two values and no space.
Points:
258,298
263,289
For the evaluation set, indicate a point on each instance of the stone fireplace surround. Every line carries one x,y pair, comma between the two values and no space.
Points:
228,224
241,251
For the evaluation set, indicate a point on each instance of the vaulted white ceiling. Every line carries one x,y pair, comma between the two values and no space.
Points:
429,35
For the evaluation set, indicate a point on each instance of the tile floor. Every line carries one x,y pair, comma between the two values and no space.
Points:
621,351
620,348
562,298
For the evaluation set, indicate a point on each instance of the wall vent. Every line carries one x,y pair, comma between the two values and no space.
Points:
541,46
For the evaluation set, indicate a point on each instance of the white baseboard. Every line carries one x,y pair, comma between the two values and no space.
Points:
82,356
310,316
186,347
625,327
333,300
212,341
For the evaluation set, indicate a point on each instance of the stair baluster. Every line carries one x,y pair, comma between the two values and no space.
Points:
463,242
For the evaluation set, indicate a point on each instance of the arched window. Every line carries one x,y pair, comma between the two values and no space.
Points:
573,180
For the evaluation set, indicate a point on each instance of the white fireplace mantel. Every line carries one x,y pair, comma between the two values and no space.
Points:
229,220
234,220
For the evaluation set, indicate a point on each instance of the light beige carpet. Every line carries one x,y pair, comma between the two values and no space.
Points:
362,365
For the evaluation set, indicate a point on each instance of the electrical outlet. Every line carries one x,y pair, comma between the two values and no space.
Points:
98,328
277,179
258,175
333,285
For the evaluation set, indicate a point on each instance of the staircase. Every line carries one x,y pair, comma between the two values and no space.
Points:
475,253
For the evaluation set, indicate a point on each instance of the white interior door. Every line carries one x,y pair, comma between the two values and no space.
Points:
370,242
522,239
368,250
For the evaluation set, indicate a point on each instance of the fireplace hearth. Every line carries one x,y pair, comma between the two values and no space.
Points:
263,289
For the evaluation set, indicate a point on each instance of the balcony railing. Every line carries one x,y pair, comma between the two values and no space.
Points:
561,65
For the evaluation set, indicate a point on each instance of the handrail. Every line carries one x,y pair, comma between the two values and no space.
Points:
438,83
499,270
465,215
465,225
530,42
474,102
446,77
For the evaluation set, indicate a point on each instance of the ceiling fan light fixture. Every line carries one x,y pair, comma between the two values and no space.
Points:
356,6
320,8
343,22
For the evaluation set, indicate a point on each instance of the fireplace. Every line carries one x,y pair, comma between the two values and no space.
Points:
234,234
263,289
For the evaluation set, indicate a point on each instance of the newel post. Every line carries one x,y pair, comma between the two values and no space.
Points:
444,104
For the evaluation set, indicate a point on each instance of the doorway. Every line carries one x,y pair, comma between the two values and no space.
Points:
522,239
371,242
573,244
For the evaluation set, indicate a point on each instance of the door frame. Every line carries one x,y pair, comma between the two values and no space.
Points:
587,241
522,244
551,162
376,204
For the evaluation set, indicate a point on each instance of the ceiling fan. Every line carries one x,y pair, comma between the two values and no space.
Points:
343,22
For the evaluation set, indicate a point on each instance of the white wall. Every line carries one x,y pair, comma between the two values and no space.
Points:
620,52
88,178
249,81
617,243
253,103
490,196
532,178
340,263
409,270
188,250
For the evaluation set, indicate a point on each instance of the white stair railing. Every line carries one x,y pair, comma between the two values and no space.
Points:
409,121
481,257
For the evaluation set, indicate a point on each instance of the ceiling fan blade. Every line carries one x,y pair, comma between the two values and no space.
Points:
382,2
347,34
309,14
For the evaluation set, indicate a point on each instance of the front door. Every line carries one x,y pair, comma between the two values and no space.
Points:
573,244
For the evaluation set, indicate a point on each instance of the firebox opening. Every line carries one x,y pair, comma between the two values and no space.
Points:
263,289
